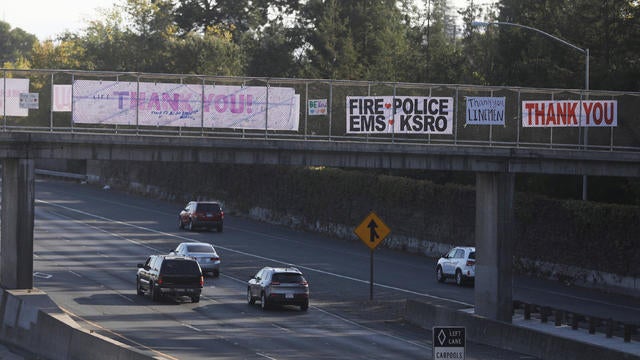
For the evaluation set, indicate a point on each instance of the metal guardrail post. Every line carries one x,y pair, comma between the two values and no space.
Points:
575,321
627,332
330,106
610,324
593,322
306,107
51,107
527,311
558,318
544,314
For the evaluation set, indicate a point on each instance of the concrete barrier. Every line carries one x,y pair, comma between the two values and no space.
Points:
31,321
507,336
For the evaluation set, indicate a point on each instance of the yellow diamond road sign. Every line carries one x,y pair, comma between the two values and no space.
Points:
372,230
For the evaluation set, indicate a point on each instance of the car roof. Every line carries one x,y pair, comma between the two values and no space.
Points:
194,243
468,248
177,257
283,269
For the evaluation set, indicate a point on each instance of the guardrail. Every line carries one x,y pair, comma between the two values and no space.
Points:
563,317
61,174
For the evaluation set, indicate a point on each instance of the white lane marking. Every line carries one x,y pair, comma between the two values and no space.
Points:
372,330
191,327
280,327
42,275
116,334
266,356
75,273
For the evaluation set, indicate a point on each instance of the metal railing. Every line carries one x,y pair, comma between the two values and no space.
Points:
331,125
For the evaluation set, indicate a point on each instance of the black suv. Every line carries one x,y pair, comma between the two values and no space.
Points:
201,214
171,275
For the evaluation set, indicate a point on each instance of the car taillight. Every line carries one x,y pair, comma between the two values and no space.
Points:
214,259
201,280
275,283
221,214
304,283
471,262
159,280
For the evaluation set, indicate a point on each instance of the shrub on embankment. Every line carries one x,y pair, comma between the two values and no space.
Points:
587,235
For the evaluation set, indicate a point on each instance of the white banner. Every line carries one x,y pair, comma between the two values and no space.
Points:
399,114
11,96
318,107
188,105
62,97
570,113
485,110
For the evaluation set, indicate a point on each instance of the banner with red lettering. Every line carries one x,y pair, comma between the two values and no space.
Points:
399,114
185,105
570,113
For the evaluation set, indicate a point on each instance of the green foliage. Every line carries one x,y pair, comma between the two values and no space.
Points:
15,45
607,28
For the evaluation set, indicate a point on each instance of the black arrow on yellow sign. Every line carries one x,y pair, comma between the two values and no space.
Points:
373,235
372,230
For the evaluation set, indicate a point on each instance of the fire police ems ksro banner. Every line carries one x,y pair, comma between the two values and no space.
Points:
399,114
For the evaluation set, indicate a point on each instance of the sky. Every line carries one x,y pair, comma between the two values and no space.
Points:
48,18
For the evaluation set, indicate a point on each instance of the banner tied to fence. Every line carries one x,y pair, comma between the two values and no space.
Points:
399,114
185,105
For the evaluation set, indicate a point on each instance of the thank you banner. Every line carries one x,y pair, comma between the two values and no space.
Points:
185,105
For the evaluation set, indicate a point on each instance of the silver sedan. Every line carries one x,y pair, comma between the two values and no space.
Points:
204,253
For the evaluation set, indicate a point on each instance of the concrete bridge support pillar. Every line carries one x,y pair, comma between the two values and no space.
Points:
494,245
16,242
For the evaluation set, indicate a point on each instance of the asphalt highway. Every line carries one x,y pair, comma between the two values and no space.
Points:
88,242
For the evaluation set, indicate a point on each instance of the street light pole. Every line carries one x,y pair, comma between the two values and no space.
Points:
586,73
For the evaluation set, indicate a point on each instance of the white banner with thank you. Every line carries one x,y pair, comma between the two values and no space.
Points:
185,105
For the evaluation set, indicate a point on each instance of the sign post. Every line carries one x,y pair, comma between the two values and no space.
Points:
449,342
372,231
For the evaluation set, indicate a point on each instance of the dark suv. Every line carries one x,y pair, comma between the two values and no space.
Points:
170,275
201,214
279,285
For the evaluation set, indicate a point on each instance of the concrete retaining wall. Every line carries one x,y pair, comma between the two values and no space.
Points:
507,336
30,320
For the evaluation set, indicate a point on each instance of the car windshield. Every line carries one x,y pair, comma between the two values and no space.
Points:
287,278
472,255
179,267
208,207
200,248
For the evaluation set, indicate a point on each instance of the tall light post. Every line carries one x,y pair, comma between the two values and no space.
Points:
586,72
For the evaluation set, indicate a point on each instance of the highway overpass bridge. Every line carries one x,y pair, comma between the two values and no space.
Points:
495,132
494,166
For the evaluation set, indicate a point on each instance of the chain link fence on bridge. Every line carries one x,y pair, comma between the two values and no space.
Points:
319,110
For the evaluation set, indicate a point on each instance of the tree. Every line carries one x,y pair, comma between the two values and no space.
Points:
211,53
15,44
65,54
363,40
239,15
607,28
330,49
272,51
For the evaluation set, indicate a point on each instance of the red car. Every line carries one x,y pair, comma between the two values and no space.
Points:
201,214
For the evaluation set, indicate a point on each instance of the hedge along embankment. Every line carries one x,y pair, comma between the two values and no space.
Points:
587,235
